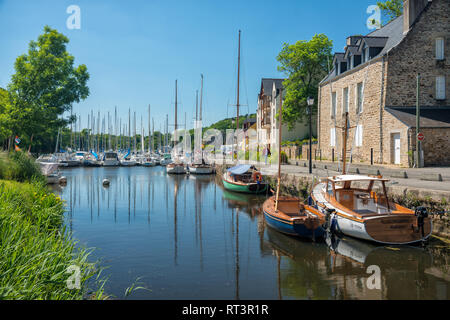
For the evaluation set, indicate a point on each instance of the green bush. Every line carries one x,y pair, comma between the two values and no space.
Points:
20,167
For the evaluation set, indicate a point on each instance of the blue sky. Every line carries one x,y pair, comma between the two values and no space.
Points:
134,50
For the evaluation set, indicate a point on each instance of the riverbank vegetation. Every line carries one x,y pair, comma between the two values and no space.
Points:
44,86
36,252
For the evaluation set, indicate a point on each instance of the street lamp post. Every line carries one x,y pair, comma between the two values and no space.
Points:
310,102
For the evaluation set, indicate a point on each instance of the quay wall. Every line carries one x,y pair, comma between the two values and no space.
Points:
300,185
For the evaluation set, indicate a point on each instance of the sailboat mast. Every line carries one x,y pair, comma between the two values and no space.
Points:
115,128
279,149
176,109
201,99
129,128
142,137
149,137
196,105
134,132
238,85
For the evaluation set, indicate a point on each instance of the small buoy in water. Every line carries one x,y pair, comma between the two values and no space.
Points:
62,180
106,182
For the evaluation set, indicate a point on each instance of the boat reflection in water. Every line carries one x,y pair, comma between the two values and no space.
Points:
185,237
345,268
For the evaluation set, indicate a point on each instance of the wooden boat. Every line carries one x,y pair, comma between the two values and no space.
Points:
244,178
288,214
357,209
358,206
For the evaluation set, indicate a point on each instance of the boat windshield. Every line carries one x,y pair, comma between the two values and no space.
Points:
363,197
110,155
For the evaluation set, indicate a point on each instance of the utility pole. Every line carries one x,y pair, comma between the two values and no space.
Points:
418,144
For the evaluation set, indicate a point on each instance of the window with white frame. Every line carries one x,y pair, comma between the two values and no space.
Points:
359,135
332,137
440,54
333,105
359,97
440,88
345,100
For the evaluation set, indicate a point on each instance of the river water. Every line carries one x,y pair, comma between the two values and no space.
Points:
184,237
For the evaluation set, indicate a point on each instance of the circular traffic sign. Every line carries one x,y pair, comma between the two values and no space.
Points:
421,136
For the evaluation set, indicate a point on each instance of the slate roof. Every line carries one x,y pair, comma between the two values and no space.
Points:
393,34
430,117
374,42
267,85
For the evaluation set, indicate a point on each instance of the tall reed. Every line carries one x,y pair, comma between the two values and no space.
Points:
36,251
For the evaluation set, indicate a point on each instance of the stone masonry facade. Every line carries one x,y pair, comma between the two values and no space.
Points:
389,80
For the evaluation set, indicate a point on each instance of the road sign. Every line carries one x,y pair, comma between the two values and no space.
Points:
421,136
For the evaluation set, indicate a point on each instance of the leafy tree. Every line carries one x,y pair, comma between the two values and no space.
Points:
5,131
44,86
391,8
306,64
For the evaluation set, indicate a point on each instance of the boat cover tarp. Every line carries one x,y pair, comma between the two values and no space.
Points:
94,154
240,169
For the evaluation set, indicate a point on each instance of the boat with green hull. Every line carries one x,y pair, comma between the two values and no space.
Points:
244,179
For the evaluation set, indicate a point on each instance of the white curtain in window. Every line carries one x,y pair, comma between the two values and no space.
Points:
440,49
332,137
440,88
359,135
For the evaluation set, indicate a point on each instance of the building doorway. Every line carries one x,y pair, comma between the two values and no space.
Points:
396,148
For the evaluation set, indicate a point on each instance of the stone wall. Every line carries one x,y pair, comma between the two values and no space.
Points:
391,81
372,137
416,54
436,145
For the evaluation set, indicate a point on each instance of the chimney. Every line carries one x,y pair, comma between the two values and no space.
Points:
411,10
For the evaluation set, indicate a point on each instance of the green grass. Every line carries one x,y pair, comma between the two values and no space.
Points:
19,166
35,249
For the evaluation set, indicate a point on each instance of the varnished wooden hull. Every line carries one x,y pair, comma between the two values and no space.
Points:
305,227
394,229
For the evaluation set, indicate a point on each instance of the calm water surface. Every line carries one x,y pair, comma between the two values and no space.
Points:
184,237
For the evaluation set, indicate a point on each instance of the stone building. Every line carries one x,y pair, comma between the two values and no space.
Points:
266,116
375,81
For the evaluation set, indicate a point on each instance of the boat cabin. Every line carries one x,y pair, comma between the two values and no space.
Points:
363,195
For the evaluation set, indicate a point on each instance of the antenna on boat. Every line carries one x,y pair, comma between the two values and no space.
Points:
279,148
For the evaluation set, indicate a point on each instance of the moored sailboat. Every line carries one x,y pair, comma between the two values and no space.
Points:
288,214
244,178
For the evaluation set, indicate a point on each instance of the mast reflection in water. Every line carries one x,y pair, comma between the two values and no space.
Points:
184,237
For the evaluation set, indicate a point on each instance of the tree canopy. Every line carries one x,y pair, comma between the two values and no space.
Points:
391,8
44,86
305,63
